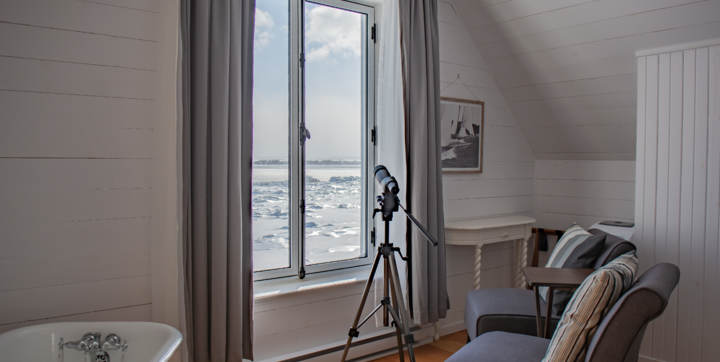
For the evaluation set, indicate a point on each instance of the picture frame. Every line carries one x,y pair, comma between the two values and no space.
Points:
462,128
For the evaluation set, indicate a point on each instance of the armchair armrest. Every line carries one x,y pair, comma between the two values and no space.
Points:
555,277
552,278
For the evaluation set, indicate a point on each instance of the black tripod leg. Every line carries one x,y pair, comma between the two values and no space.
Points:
353,331
398,324
386,274
400,306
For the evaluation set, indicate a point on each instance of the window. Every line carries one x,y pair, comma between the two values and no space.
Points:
313,136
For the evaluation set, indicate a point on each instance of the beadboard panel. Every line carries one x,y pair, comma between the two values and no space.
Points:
572,58
678,203
78,138
583,192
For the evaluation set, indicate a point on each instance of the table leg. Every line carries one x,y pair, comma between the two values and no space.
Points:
548,315
524,248
516,263
536,248
478,266
538,315
520,263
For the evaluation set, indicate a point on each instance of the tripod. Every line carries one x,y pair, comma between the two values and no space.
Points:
394,304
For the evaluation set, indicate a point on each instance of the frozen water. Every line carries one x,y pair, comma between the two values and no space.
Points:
332,217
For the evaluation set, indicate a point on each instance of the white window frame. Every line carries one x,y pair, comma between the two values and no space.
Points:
297,266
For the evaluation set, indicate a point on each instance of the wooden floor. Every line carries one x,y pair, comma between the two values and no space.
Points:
436,351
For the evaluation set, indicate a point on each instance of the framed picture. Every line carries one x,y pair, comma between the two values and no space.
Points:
462,122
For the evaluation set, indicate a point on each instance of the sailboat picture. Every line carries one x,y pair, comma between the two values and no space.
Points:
462,122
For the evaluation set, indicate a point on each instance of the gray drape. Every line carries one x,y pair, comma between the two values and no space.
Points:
216,65
421,87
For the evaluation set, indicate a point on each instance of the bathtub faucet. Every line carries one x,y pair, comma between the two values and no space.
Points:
90,344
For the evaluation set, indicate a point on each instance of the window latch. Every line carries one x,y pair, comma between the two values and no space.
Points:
304,134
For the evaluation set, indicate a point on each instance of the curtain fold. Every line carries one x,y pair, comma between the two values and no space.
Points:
421,100
216,62
390,127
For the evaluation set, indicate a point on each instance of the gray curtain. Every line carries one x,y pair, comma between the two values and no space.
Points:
421,87
216,65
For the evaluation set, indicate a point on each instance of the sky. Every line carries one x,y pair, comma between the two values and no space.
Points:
332,81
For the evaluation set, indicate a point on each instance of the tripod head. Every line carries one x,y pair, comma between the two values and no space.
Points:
389,204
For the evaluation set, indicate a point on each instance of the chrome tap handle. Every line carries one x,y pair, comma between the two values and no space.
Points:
89,342
114,342
92,340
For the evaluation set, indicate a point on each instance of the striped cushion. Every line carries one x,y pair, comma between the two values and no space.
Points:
577,248
570,240
587,307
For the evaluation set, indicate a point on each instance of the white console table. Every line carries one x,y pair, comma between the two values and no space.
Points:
483,231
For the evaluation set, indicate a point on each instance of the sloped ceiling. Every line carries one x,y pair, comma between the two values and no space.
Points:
567,67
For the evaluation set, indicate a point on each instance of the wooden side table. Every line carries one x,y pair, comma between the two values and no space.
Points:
479,232
553,279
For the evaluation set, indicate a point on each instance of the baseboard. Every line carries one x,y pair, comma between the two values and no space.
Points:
452,327
376,349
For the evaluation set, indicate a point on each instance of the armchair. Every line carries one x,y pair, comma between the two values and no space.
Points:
513,309
617,337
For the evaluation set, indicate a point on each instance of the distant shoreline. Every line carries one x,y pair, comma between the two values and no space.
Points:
309,162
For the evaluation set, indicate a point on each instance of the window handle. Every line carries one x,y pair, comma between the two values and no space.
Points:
304,134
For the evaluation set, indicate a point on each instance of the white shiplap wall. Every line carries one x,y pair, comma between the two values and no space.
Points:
566,67
678,194
321,316
583,192
79,97
506,184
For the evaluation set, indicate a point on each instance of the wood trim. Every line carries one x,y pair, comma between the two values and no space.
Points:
678,47
462,100
536,243
340,347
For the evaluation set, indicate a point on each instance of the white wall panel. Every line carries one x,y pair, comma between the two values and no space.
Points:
84,16
133,313
567,67
78,135
582,192
678,198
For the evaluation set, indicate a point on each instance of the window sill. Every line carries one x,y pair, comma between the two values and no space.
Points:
266,289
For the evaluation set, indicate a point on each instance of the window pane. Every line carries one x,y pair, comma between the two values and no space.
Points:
271,203
334,112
